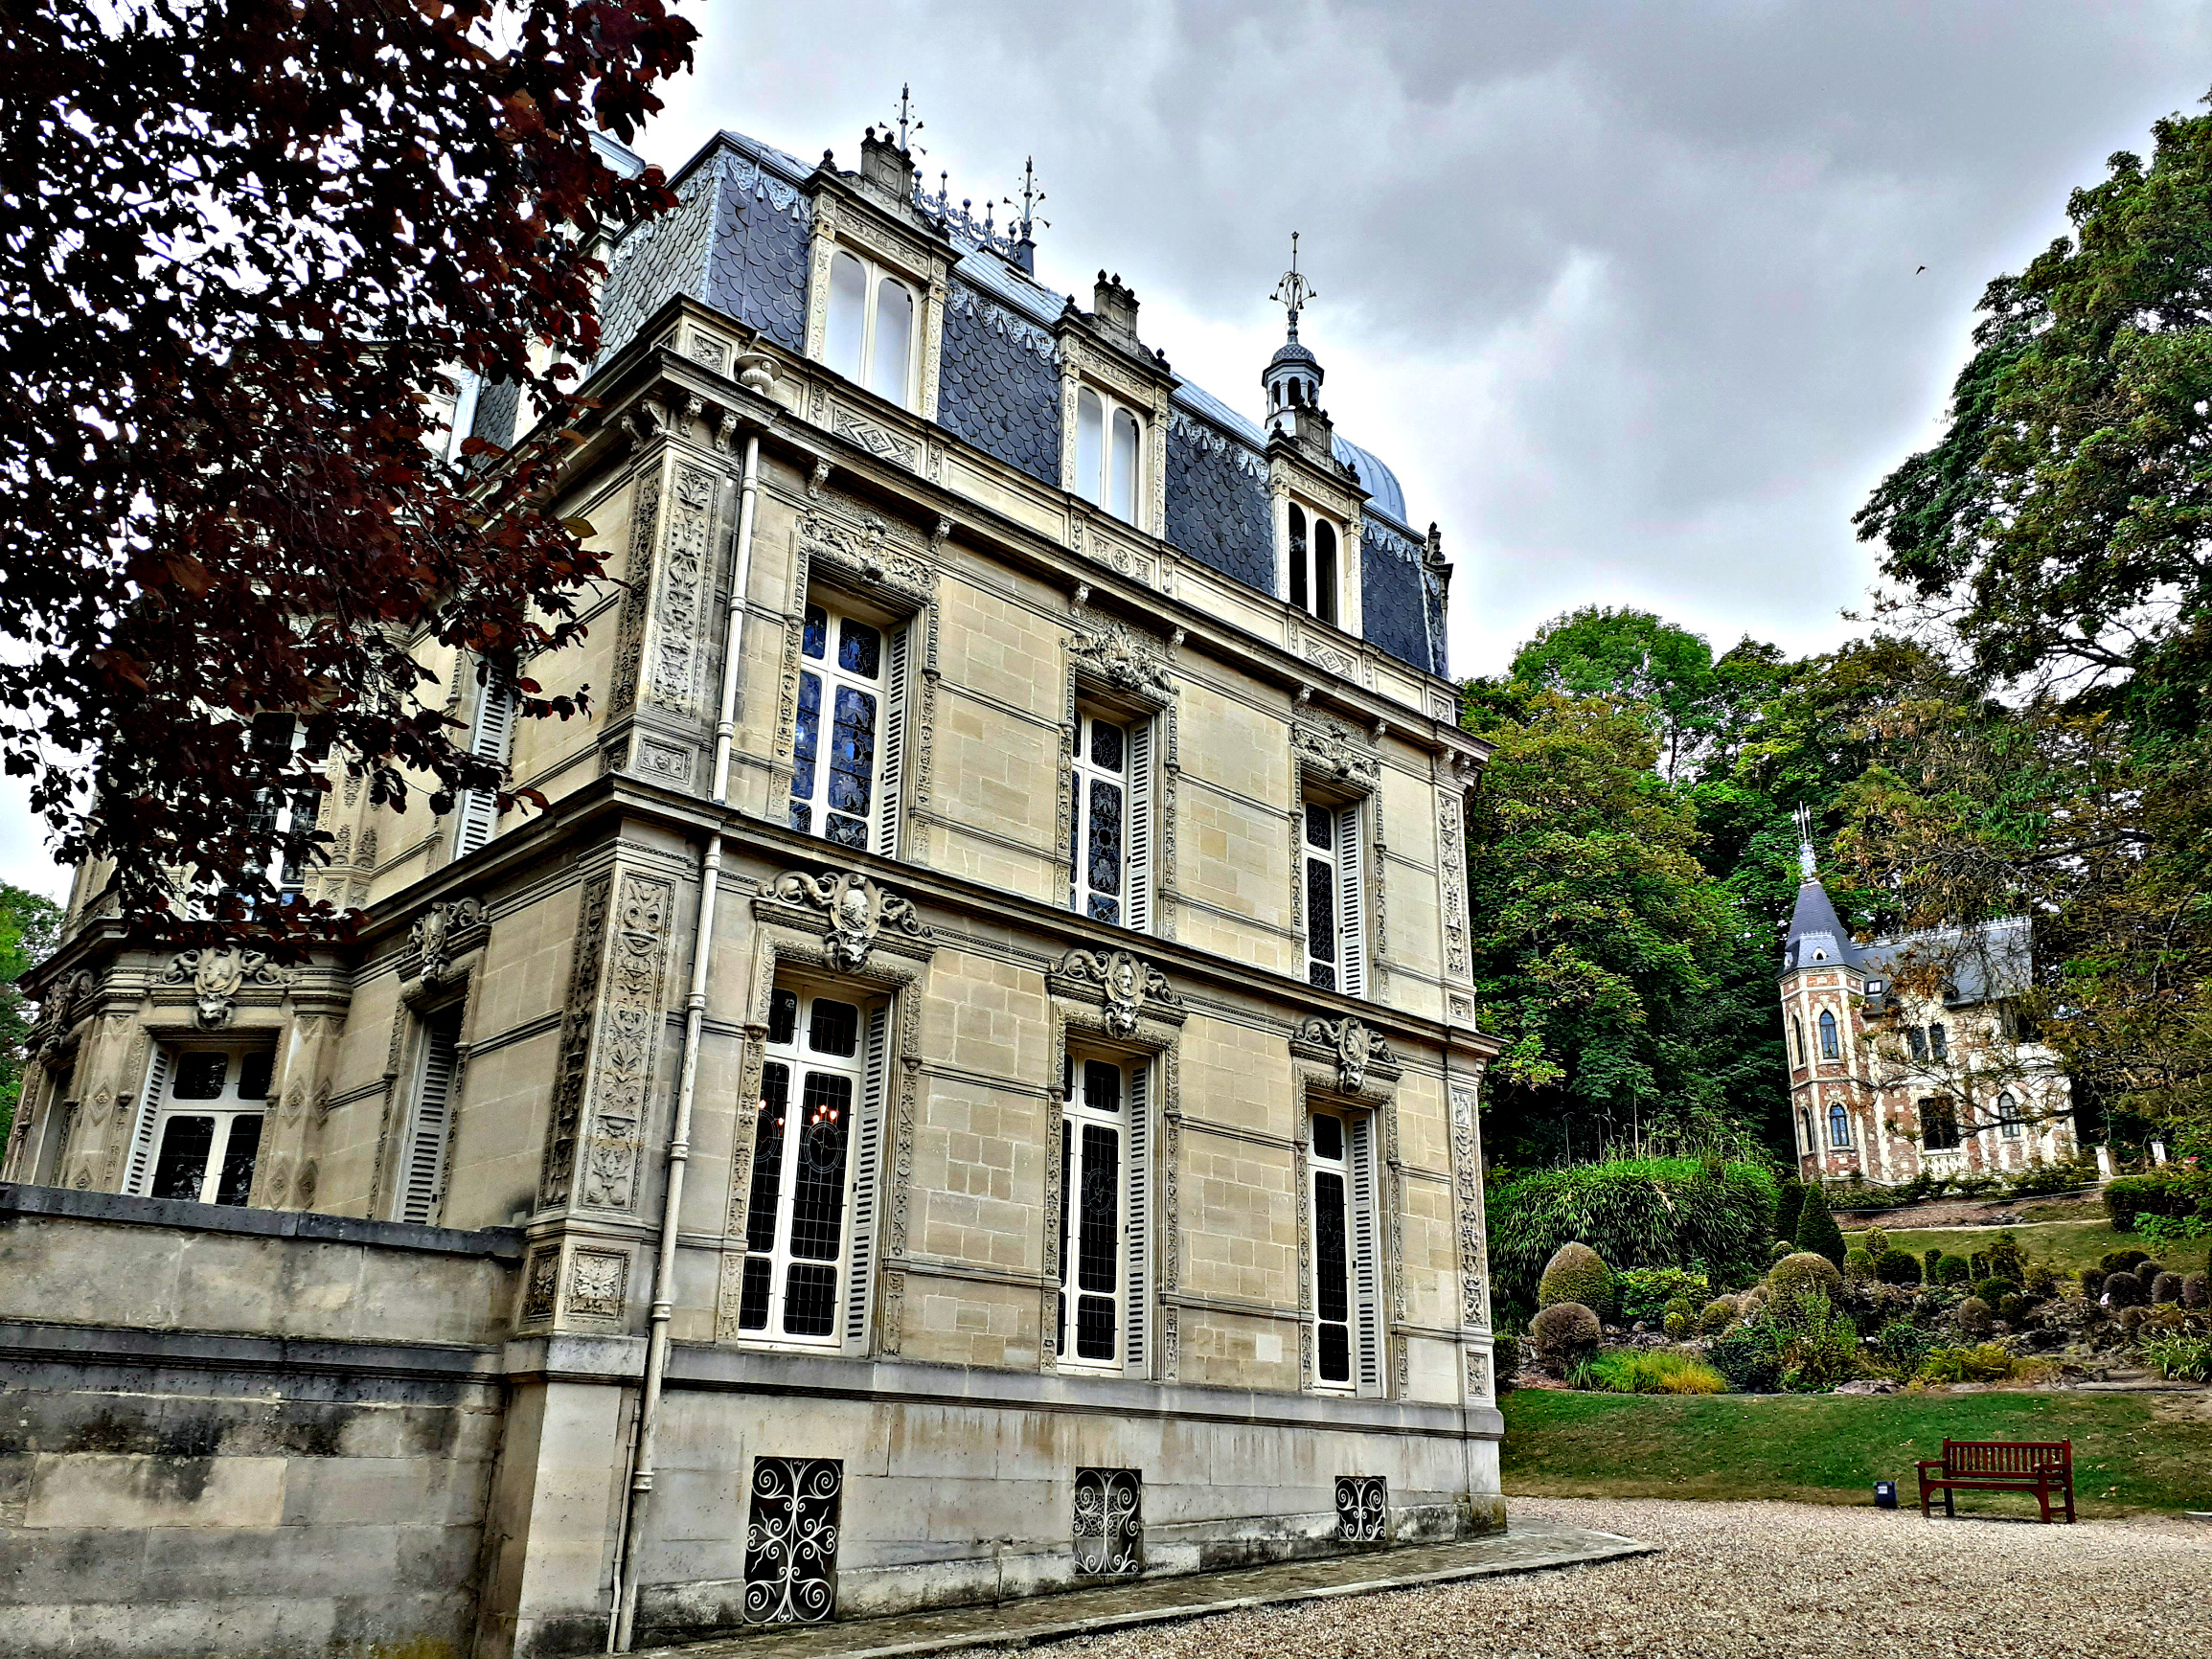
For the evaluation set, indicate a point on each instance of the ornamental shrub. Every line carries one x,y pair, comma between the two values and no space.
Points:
1954,1270
2181,1194
2122,1261
1857,1267
1504,1361
2092,1282
2012,1307
2041,1282
1902,1343
1564,1333
1787,1204
1973,1316
1897,1267
1646,1292
2166,1287
1780,1248
1977,1265
1796,1275
1984,1362
2004,1258
1876,1242
1717,1315
2195,1291
1931,1261
2124,1290
1995,1290
1635,1213
1676,1326
2181,1359
1576,1273
1625,1371
1817,1229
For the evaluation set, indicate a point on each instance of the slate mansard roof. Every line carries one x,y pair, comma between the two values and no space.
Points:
737,241
1982,962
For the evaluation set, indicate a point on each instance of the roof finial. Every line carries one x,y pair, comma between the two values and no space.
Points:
1030,195
1805,862
1293,291
908,127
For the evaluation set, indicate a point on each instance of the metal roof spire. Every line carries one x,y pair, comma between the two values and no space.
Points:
1030,195
908,127
1293,291
1807,869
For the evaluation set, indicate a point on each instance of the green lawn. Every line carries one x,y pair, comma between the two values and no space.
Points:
2131,1453
2067,1245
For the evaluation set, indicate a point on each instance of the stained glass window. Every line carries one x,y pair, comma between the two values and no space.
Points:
1099,789
835,773
1092,1245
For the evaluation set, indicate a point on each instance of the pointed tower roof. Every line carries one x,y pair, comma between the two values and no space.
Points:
1816,934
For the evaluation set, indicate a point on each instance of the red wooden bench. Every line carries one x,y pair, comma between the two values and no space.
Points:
2001,1465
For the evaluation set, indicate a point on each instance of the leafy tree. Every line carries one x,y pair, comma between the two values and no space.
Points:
246,243
30,926
1635,661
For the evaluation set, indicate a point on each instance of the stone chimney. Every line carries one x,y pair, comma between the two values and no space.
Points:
1114,305
886,171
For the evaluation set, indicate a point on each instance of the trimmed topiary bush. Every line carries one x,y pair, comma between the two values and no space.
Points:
1876,1242
1995,1290
1717,1315
2122,1261
2041,1283
1954,1270
1817,1230
1897,1267
2195,1291
1789,1203
1635,1213
1857,1267
1973,1316
1780,1248
1796,1275
2166,1287
2004,1258
1564,1335
2094,1282
1676,1326
2011,1307
2124,1290
1576,1273
1931,1261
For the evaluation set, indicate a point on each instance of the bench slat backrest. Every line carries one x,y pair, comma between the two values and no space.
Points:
2007,1457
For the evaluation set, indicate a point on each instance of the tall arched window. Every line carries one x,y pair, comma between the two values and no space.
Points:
1938,1045
1804,1131
1827,1048
870,333
1313,565
1838,1127
1797,1040
1108,454
2008,1117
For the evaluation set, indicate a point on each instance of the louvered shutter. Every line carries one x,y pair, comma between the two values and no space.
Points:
142,1132
424,1174
1139,885
1366,1331
1137,1223
891,790
489,738
867,1163
1351,911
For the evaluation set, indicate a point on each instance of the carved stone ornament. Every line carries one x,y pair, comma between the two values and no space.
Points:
1354,1046
1329,750
858,913
1130,986
217,977
866,551
438,934
1124,660
57,1014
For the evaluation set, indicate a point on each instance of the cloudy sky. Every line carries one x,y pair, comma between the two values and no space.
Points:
1628,295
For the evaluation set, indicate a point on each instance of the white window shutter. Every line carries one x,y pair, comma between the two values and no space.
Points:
891,792
1366,1300
425,1173
1137,1222
1138,908
867,1162
140,1169
1350,911
490,739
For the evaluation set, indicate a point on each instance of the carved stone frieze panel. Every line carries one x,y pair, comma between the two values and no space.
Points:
1451,861
1332,752
598,1284
1355,1050
682,586
1126,985
1467,1198
877,439
866,549
219,977
446,931
643,537
858,913
1123,659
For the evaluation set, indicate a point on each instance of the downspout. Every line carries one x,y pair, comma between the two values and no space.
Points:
679,1150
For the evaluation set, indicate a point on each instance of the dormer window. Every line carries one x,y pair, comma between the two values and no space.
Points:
872,332
1109,453
1314,564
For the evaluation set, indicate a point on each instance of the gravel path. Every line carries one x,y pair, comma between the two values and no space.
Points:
1766,1580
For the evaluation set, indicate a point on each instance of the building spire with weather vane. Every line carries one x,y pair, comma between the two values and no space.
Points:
1292,377
1807,868
1293,291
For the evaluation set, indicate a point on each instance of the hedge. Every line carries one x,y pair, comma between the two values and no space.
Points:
1635,1213
2180,1194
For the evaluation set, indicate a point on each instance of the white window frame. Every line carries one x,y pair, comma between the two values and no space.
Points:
864,1069
889,689
1098,479
159,1106
1838,1127
418,1193
1299,569
2007,1110
1345,859
1320,1168
873,275
1130,1124
1133,904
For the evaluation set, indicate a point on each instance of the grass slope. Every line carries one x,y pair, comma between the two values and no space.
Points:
2131,1453
2067,1245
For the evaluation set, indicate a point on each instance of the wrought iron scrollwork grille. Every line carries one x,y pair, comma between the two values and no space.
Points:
792,1540
1362,1509
1109,1522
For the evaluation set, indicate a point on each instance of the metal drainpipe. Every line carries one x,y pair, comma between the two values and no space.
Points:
680,1132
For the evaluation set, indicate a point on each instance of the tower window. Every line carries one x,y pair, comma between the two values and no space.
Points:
1938,1127
871,334
1838,1127
2008,1117
1314,564
1829,1049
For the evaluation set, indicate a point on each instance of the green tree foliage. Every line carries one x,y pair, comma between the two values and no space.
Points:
1786,1209
30,925
1817,1233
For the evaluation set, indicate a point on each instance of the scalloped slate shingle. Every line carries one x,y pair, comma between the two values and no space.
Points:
497,405
995,390
1394,597
1216,511
756,271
